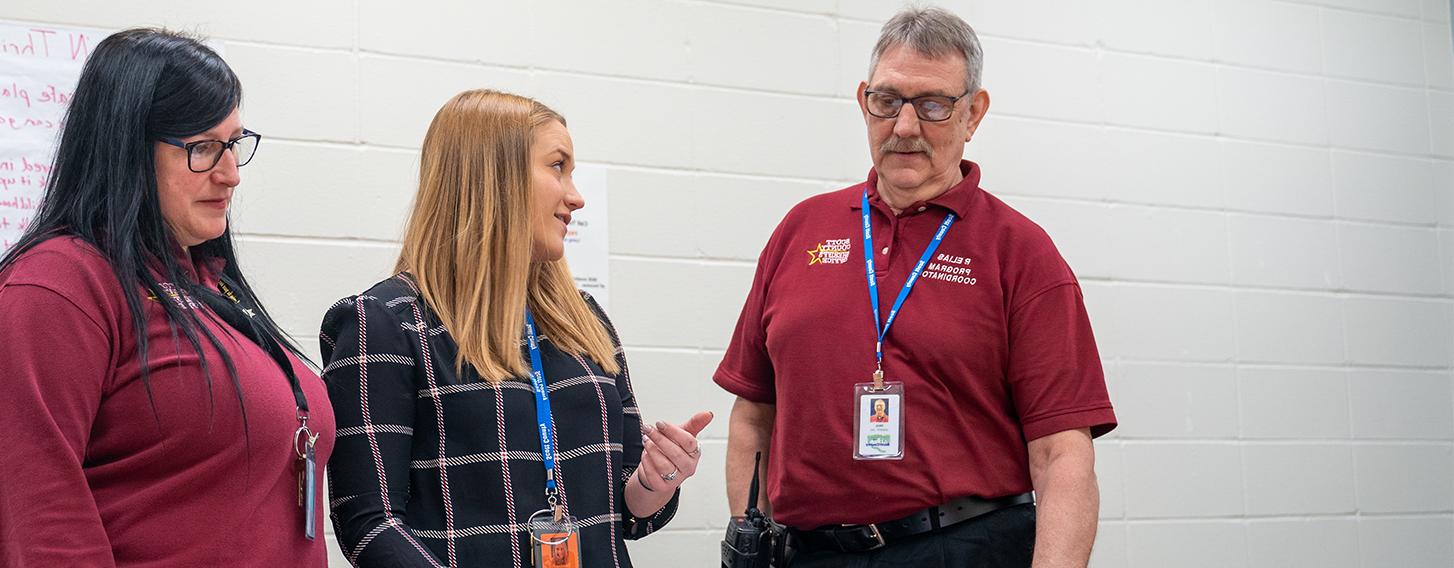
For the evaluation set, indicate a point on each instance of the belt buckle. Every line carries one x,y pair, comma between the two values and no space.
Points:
878,537
847,545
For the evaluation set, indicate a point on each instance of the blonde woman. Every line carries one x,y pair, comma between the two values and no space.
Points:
447,453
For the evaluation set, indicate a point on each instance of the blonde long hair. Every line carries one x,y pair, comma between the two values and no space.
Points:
468,240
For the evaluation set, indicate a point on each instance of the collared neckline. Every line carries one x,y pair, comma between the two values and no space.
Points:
202,269
957,199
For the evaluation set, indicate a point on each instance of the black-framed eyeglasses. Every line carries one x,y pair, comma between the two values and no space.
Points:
203,155
930,108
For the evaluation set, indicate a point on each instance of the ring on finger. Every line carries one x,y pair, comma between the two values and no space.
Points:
696,453
670,476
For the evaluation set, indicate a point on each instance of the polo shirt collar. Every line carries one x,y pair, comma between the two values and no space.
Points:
957,199
201,269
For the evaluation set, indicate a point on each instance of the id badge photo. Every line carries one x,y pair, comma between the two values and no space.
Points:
554,543
878,421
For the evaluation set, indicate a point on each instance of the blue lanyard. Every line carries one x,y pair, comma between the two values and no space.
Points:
868,252
542,407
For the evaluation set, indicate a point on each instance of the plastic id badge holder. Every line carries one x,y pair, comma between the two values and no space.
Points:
878,421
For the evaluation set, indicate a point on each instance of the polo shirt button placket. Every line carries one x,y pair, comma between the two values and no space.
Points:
889,242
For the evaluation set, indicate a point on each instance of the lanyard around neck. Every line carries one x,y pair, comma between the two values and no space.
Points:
542,407
240,317
868,252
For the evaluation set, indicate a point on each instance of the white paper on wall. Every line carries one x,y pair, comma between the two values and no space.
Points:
587,248
39,65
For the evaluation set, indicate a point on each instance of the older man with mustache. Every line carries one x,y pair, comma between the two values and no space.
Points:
988,370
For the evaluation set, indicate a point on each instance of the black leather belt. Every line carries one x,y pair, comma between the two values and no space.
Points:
863,538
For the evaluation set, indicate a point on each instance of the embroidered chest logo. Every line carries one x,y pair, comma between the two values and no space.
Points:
949,268
831,251
178,297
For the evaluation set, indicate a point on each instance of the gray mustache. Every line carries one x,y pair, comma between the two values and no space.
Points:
896,144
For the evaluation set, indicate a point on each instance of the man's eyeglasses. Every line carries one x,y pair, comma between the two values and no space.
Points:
203,155
930,108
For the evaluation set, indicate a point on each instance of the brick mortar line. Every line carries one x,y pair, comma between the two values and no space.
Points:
280,238
1102,125
673,349
277,238
830,184
357,50
1226,210
1274,442
1219,64
1447,443
690,81
831,16
1222,136
1227,287
1314,4
1273,365
1245,518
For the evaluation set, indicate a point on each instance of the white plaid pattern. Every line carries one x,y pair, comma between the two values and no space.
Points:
391,377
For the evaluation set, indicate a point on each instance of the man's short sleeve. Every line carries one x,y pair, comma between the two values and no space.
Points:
746,369
1055,370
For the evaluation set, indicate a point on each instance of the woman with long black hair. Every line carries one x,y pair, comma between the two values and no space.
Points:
153,412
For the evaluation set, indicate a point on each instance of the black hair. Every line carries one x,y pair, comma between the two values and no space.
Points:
139,86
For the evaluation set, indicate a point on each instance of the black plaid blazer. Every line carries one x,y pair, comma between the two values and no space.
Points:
434,468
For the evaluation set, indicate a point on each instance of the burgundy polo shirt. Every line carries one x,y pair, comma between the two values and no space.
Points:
98,470
993,345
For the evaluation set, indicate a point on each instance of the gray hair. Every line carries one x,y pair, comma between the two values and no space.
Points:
934,32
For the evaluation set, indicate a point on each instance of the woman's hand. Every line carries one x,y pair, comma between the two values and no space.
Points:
671,453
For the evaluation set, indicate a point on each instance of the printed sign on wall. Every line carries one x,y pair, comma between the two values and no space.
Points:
39,66
587,247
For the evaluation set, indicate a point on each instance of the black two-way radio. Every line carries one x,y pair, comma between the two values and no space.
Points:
749,540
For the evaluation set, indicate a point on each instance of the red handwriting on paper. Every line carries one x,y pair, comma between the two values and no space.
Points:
16,92
47,43
11,223
23,202
32,165
80,46
29,172
48,94
27,123
35,42
53,95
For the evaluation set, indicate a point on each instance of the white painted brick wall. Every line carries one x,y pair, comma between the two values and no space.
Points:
1186,544
1258,196
1176,400
1303,543
1362,182
1281,402
1405,541
1277,178
1298,479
